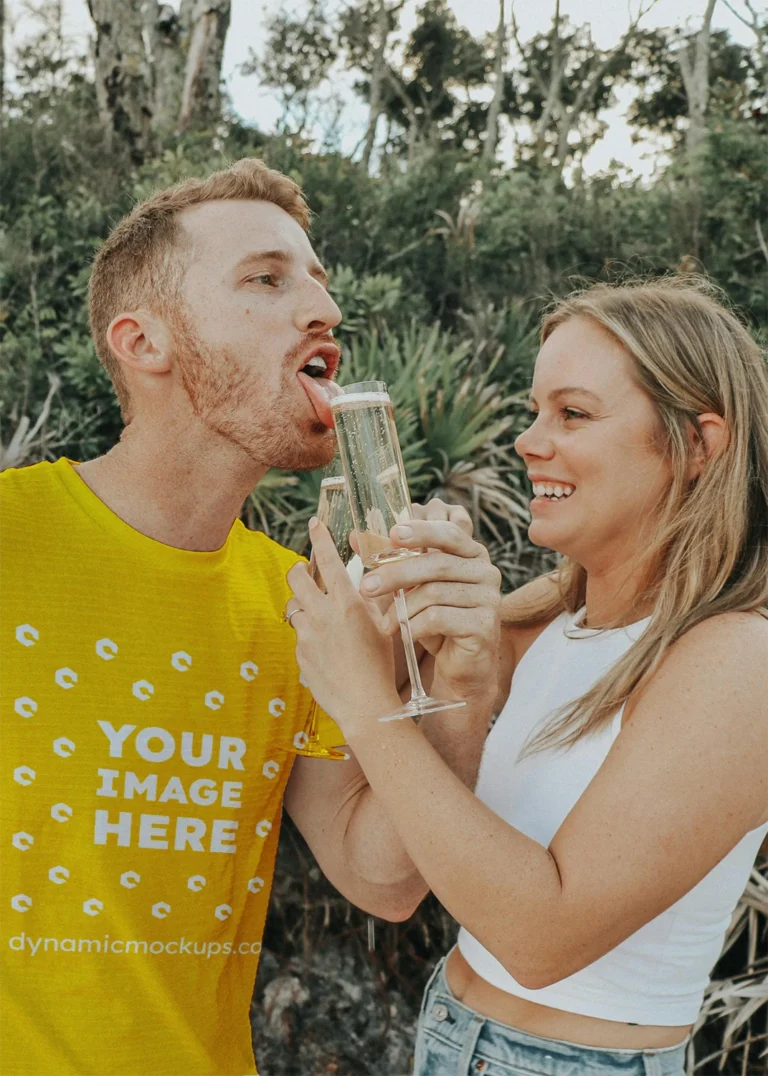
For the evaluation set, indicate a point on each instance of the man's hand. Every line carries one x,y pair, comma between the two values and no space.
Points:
344,656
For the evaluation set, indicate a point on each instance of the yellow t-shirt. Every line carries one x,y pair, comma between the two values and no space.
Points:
150,704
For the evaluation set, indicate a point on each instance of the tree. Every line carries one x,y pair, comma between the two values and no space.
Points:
157,71
166,31
570,79
123,80
2,51
661,103
200,96
432,95
297,58
492,127
365,32
694,66
759,26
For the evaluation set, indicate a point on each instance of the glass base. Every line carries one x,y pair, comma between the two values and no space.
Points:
316,750
416,708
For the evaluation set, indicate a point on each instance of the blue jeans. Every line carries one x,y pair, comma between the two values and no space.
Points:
452,1040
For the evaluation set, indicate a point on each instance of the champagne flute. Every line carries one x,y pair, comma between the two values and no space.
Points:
333,511
379,498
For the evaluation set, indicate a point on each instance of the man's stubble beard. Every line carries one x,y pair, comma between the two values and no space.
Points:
218,390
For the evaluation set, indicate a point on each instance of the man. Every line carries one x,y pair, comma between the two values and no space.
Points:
152,709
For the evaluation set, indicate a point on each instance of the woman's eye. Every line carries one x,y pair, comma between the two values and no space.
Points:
263,278
566,412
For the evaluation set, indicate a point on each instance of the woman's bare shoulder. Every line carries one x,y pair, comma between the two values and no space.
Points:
740,637
726,651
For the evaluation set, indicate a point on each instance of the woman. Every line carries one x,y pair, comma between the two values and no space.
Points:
623,792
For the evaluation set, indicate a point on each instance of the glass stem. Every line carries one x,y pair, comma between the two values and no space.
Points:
417,689
312,729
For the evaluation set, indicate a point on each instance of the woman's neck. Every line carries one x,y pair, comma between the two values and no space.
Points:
616,597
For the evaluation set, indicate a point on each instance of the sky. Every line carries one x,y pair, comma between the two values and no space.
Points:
608,19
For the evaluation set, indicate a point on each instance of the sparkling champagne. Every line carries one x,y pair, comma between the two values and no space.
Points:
333,511
378,494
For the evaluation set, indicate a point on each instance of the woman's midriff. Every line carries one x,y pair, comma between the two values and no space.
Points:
478,994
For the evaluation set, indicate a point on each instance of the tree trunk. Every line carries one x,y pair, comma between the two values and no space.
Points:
410,111
2,52
166,33
694,66
201,92
553,90
492,127
377,79
122,74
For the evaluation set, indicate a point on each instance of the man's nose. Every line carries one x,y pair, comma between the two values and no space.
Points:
319,312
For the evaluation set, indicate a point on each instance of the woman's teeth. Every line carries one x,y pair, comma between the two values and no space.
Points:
556,493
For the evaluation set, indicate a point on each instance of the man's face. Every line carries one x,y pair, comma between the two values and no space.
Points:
256,309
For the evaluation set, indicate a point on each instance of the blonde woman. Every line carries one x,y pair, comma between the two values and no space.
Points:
623,791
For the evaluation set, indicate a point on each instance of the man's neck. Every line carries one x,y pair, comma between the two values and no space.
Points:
184,488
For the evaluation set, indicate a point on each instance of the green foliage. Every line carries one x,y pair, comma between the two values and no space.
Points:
371,300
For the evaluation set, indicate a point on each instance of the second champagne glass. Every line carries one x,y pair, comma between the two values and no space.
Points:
379,499
333,511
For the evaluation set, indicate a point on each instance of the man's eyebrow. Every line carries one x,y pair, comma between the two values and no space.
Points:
283,258
568,390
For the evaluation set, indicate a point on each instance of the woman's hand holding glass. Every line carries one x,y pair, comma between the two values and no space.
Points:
452,594
453,605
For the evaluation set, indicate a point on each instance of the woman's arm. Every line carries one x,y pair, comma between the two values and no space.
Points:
347,828
685,780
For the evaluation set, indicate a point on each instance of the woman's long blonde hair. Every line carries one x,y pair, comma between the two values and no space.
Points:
710,551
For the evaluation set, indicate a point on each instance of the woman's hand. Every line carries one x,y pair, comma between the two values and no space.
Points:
453,597
345,657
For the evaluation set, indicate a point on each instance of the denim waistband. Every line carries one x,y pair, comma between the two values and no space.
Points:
504,1047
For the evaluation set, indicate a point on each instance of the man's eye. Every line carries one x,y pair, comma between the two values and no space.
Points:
263,278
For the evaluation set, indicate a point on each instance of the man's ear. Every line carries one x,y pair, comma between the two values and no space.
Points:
715,438
141,341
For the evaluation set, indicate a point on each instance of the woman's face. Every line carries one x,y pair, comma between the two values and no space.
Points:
597,472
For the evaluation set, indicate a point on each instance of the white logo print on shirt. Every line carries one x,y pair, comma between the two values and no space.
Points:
152,744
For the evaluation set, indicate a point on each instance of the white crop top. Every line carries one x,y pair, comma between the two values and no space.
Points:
658,974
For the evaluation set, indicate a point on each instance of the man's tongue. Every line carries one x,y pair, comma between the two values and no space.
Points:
320,391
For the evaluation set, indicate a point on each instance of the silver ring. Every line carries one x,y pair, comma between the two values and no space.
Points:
287,616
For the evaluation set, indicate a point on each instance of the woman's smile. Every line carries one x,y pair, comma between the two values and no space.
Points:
550,490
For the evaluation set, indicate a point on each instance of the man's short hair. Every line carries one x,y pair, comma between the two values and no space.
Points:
138,265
